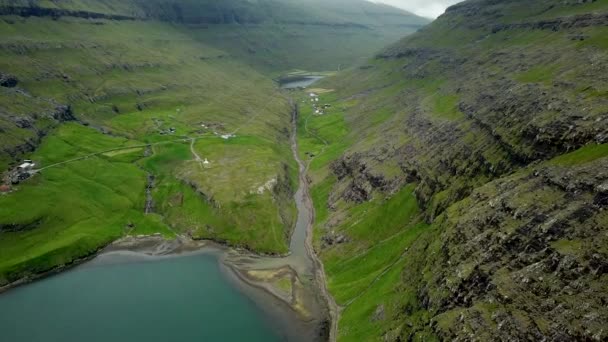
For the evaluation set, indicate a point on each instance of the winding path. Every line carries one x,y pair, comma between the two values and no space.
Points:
197,158
185,139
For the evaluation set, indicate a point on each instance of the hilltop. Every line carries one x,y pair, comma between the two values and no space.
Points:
460,179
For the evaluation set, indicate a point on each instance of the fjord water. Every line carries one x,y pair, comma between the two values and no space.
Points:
301,82
185,298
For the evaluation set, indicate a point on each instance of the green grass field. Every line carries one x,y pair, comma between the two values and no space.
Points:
152,97
131,83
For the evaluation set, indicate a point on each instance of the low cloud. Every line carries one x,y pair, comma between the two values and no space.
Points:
425,8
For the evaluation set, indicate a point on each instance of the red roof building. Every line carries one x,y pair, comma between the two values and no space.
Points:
5,188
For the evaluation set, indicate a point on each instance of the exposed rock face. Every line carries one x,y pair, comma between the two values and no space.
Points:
490,101
35,11
543,259
576,21
334,239
149,206
212,12
8,81
23,122
63,114
30,124
513,123
379,314
361,180
19,227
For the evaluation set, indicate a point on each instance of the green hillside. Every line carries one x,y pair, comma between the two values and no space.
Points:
147,117
273,36
137,100
459,178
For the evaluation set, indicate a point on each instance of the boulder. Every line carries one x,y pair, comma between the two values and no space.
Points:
379,314
8,81
63,114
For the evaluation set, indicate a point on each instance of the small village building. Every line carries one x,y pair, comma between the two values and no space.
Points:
206,162
4,188
22,172
26,166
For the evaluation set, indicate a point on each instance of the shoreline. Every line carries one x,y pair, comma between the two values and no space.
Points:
137,242
153,247
310,304
52,272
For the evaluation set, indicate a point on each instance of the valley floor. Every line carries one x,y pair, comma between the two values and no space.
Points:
297,279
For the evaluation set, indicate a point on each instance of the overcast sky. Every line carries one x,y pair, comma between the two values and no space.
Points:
425,8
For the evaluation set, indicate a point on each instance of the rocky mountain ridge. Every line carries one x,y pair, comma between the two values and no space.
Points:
356,13
496,115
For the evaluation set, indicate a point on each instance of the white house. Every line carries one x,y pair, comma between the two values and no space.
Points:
26,166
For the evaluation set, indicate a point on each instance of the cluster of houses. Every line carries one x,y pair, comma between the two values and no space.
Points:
17,175
169,131
163,131
215,127
317,109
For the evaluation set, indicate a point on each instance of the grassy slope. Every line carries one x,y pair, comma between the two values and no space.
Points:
363,271
273,36
320,39
436,118
71,210
181,65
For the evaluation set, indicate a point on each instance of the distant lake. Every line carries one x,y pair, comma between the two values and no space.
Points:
298,81
185,298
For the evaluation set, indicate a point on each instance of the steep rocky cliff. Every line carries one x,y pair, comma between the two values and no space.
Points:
495,117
